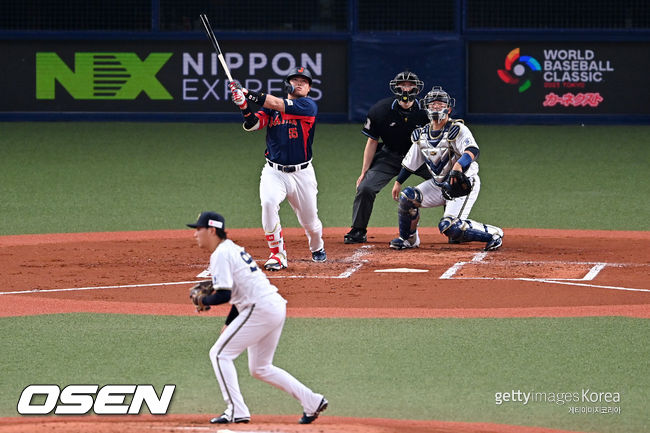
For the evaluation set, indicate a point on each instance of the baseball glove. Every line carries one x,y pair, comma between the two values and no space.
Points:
198,292
461,186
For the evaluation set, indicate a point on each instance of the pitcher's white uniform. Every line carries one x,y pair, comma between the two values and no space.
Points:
258,327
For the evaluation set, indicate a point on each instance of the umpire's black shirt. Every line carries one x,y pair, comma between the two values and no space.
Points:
392,125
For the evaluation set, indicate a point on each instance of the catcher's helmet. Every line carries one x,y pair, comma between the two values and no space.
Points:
437,93
406,95
296,72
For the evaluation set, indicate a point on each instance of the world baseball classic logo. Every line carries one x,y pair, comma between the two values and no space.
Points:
516,69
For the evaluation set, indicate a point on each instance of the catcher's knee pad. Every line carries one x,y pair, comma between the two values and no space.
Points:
449,228
467,230
408,213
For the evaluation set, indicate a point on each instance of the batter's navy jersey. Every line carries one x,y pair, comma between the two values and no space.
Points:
392,125
290,135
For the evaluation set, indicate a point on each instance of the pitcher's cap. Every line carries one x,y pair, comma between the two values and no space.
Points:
209,219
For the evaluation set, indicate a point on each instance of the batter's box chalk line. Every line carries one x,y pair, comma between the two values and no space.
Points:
356,262
590,275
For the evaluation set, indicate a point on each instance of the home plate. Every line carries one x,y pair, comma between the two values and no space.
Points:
401,270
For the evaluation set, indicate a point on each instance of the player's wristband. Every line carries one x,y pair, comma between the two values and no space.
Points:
249,118
246,112
256,97
402,176
465,161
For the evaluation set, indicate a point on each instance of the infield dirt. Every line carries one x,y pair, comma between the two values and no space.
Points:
537,273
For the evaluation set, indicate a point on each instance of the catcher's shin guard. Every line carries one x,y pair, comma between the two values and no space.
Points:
468,230
408,214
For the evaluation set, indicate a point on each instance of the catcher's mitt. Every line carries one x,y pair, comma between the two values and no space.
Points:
198,292
461,186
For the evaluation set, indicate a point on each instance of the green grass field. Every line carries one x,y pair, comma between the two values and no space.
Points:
78,177
447,369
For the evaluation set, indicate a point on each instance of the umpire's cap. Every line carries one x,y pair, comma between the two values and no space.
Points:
209,219
300,72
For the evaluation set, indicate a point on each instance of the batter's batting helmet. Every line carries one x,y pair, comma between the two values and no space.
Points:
296,72
300,72
437,93
410,77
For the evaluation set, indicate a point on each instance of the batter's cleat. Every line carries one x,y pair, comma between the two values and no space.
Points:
308,419
402,244
319,256
276,262
494,243
355,236
223,419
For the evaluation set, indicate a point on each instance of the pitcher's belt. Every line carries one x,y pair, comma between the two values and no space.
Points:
289,168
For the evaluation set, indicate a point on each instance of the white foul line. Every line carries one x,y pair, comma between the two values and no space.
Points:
97,288
182,428
355,259
574,283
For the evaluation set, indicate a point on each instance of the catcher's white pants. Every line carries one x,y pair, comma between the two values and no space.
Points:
258,329
460,207
300,189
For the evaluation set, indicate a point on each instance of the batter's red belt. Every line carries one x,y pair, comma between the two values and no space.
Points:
289,168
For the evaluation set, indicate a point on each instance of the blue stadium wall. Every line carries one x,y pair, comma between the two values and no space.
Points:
497,77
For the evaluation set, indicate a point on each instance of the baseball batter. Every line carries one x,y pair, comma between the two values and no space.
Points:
448,149
288,172
255,323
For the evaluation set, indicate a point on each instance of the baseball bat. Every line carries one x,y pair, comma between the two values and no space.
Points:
208,31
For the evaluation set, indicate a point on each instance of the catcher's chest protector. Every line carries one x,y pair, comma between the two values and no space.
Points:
438,153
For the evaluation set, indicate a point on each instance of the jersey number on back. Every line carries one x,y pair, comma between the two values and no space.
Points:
248,259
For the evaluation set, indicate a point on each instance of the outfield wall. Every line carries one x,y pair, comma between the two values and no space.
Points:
503,75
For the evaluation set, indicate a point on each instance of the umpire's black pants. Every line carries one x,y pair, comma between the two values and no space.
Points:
384,167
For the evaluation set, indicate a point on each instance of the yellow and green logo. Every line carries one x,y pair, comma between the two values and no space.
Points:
119,76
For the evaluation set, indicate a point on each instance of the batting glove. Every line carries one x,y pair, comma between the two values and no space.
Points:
234,85
239,99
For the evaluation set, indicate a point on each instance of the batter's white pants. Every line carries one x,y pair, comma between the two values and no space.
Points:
258,329
300,189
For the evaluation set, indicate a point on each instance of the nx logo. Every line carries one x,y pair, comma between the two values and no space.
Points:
101,75
80,399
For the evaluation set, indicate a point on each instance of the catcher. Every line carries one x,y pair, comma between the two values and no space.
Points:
255,323
448,149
